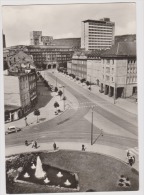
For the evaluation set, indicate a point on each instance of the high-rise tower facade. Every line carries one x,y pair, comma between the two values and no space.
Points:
97,34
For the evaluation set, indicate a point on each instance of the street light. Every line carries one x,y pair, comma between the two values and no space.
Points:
92,127
63,95
55,78
101,133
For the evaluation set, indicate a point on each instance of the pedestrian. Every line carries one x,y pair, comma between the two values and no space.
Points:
26,142
128,153
35,144
26,121
131,161
133,157
83,147
54,146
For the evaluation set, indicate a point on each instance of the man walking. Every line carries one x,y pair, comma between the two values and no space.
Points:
54,146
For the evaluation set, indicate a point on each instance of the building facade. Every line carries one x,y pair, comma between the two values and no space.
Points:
78,64
48,56
120,70
113,70
20,94
32,77
97,34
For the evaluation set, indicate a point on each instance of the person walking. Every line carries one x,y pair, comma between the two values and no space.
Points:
128,153
26,121
26,142
54,146
35,144
131,161
83,147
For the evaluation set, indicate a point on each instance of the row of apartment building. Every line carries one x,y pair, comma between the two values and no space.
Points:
20,94
113,70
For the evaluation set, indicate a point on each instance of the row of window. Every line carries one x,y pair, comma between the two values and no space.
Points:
131,61
100,30
100,38
48,50
101,27
132,80
100,24
100,35
32,85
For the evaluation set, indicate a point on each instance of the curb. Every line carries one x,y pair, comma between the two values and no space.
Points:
92,152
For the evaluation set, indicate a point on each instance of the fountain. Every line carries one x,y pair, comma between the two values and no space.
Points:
33,166
46,180
26,175
59,174
67,183
39,173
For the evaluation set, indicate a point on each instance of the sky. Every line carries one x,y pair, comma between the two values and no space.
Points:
63,21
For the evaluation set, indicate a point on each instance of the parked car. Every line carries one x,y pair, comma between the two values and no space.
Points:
12,129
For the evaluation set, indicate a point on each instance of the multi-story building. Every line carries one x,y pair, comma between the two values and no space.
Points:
113,70
32,77
35,37
20,94
97,34
78,64
49,56
119,77
4,41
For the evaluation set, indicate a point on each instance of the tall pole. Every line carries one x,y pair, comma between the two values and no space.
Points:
56,81
92,127
63,96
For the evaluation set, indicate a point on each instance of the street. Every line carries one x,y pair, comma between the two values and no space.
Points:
75,125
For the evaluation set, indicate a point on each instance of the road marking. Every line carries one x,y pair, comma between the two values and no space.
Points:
43,136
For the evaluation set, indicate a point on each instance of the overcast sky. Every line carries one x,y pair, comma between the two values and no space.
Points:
63,21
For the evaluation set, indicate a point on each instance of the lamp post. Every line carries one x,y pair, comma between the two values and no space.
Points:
92,126
63,95
55,78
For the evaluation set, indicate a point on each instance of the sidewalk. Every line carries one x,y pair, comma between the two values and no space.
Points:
124,104
97,148
48,111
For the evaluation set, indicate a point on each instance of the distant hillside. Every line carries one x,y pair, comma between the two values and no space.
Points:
122,38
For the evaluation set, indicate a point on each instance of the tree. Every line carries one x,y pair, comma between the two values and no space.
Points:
56,105
64,98
87,83
56,89
60,93
37,113
77,79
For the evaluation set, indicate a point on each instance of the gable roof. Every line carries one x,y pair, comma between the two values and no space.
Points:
121,49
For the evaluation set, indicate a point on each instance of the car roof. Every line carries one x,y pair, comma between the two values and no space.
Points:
12,127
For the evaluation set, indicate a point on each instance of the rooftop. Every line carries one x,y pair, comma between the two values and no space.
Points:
121,49
101,21
69,42
89,54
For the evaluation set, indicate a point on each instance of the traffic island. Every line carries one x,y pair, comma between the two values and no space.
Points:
68,171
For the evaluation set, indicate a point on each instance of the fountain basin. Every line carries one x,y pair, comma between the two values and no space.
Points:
51,173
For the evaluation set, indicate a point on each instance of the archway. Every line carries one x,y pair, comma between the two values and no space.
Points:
49,66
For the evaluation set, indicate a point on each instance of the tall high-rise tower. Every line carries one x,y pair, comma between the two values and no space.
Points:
97,34
35,37
4,41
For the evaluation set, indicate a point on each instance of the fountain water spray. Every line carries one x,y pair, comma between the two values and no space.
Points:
39,173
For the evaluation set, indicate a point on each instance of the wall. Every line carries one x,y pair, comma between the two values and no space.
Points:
11,91
24,92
